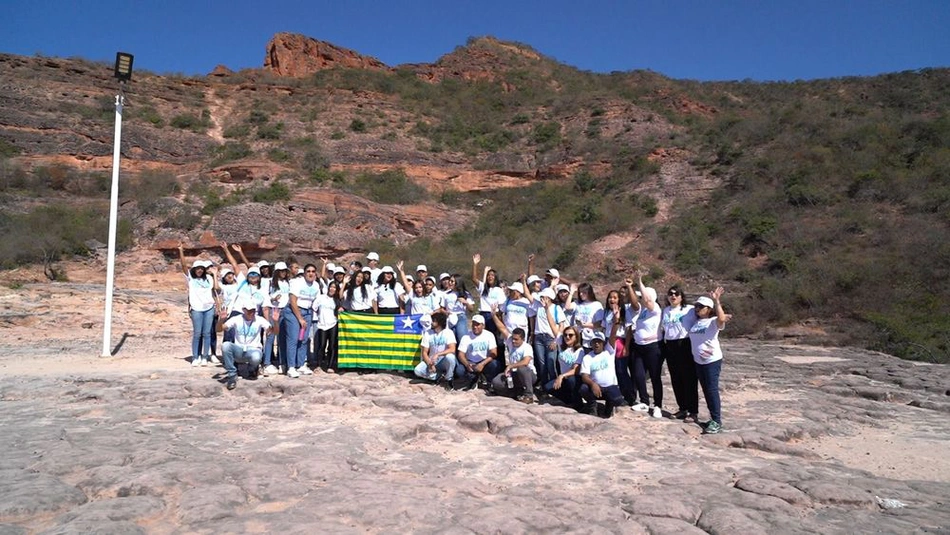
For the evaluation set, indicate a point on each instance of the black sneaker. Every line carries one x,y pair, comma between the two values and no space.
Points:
472,385
231,383
680,415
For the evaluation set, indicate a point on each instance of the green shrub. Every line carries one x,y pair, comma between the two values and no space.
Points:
8,149
548,133
148,188
230,151
270,131
387,187
188,121
277,191
358,125
238,131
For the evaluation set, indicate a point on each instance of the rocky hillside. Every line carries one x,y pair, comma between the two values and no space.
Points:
822,206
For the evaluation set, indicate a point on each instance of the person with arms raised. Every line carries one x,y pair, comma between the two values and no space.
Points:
707,353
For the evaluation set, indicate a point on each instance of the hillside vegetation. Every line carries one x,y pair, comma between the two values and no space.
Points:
832,197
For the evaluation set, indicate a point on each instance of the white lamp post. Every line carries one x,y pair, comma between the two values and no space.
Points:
123,72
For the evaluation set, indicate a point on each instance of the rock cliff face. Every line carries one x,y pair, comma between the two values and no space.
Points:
295,55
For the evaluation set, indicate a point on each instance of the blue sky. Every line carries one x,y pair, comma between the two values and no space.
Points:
703,40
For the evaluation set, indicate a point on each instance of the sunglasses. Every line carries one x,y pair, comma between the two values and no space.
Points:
569,335
673,294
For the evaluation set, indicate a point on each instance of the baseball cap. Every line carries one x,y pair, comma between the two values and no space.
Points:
444,276
563,288
279,266
422,267
372,256
516,287
554,273
534,278
338,269
705,301
547,292
478,318
598,335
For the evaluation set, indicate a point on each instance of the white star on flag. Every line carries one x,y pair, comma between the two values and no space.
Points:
407,322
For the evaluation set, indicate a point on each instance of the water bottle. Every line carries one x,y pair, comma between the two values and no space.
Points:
510,380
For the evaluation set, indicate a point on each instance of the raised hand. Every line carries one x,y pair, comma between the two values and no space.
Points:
717,293
476,258
237,247
531,257
399,265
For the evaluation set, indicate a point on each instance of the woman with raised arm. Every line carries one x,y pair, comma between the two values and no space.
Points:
678,317
490,293
459,304
617,318
359,295
202,302
417,302
646,346
388,292
707,353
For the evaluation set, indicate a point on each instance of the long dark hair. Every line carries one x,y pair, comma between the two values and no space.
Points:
676,288
352,286
585,287
460,289
275,280
336,298
486,287
195,276
620,305
381,278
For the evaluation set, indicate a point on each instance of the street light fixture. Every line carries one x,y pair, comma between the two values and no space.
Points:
123,72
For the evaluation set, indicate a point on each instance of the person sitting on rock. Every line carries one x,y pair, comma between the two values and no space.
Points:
599,376
519,374
438,352
565,384
246,347
477,354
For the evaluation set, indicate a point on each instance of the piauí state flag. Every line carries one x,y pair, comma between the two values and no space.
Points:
378,341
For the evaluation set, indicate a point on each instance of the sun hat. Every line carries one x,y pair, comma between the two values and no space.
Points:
338,269
705,301
554,273
279,266
563,288
253,271
444,276
549,293
372,256
388,269
534,278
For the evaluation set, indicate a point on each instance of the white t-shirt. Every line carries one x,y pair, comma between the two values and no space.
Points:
455,305
676,322
476,348
325,308
255,294
438,342
359,302
704,336
589,312
516,314
247,334
424,304
387,297
600,367
647,327
229,291
515,355
541,323
306,293
568,357
280,297
629,317
200,293
496,296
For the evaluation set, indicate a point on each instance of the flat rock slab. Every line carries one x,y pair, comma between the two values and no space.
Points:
170,450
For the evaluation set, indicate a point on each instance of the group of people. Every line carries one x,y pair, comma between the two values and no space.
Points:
536,338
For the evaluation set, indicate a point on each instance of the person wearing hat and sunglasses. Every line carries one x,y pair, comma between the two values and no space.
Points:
246,345
707,353
372,262
202,303
599,376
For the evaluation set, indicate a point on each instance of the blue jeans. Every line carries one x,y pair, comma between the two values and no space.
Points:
611,394
461,327
545,358
269,340
234,354
568,393
293,350
709,379
444,367
490,370
202,322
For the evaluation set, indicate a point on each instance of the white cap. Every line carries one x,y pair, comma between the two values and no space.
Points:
587,334
534,278
563,288
202,263
516,287
444,276
705,301
224,272
422,267
554,273
263,263
366,270
598,335
549,293
338,269
299,271
409,278
388,269
478,318
372,256
426,321
650,293
331,266
431,278
253,271
247,304
279,266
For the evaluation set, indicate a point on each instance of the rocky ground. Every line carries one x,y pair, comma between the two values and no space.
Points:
817,440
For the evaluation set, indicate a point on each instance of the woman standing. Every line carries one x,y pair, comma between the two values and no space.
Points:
458,303
707,354
646,347
295,322
588,312
388,292
617,318
678,317
421,301
548,324
326,306
491,293
279,297
202,286
359,293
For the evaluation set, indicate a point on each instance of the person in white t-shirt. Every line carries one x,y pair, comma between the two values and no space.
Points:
618,318
372,262
420,301
678,317
438,353
707,353
519,374
358,292
295,323
459,304
565,384
246,346
588,312
490,293
477,355
646,347
278,296
549,321
202,304
599,376
388,292
326,307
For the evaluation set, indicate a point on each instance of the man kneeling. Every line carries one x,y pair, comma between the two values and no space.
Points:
246,348
599,377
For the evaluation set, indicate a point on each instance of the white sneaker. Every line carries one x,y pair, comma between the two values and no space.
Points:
656,412
293,373
204,361
195,362
271,370
640,407
304,370
214,359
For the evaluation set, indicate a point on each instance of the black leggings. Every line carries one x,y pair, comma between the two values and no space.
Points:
325,349
647,359
679,357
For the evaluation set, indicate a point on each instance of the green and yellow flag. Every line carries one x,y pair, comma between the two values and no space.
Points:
379,342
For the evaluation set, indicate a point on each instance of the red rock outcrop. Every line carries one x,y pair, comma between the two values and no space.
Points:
295,55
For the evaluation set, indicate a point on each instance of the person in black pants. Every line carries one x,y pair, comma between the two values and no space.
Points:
678,317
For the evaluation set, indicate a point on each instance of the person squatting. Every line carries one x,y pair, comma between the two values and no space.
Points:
536,339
